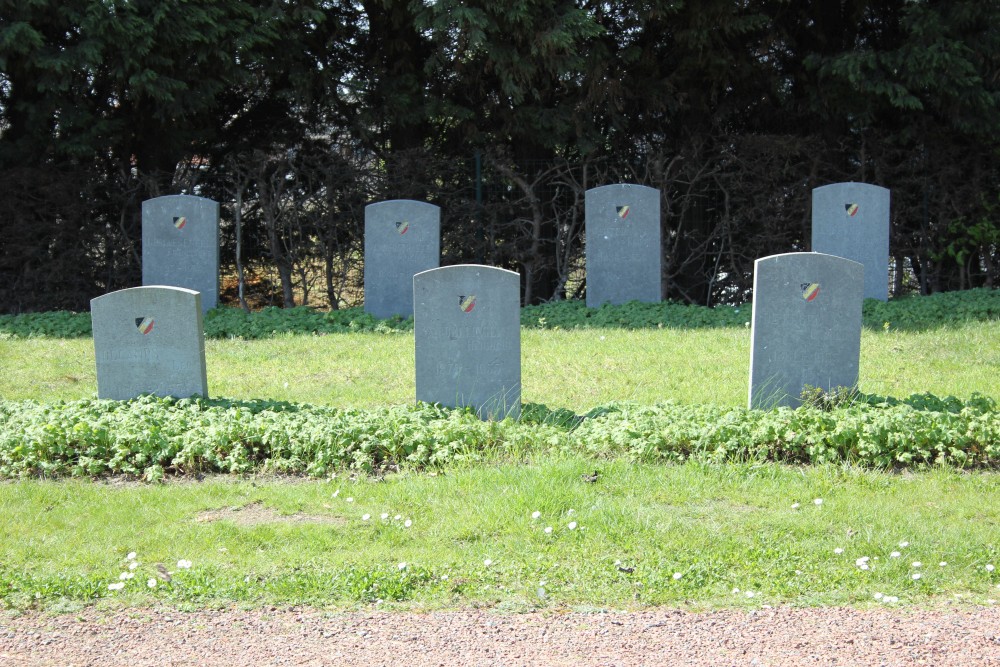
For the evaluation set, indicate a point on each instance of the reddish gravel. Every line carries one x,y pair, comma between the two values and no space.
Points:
773,637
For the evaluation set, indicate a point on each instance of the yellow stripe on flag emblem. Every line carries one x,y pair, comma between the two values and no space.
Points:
810,291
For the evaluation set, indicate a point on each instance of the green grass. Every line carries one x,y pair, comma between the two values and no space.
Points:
725,529
577,369
721,528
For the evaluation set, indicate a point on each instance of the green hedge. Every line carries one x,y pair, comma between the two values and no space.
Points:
151,437
908,313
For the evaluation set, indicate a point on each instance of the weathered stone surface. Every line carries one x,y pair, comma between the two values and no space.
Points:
402,238
623,245
851,220
467,330
806,326
180,245
149,340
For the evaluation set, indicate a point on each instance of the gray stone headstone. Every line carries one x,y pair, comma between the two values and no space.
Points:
851,220
806,326
402,238
180,245
467,330
623,244
149,340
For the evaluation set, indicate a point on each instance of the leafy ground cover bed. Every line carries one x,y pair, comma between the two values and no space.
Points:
151,437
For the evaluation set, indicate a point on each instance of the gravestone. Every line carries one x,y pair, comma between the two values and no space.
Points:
149,340
180,245
623,244
402,238
467,330
851,220
806,326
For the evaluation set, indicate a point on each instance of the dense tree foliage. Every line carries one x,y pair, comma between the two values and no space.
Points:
296,113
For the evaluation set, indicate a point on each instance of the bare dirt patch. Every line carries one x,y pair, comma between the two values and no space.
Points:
765,637
256,514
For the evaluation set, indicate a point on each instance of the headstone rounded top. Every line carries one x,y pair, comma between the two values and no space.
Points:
625,186
815,257
132,292
852,184
182,197
401,202
494,270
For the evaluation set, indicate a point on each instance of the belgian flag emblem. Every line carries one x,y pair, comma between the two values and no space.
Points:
623,211
402,227
180,221
467,302
852,210
810,291
144,324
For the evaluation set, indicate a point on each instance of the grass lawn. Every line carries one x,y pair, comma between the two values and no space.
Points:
692,535
562,369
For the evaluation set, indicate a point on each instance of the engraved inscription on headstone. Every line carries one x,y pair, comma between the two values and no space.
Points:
149,340
467,330
623,244
851,220
180,245
806,326
402,238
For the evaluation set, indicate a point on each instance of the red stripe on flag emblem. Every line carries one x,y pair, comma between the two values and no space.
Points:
144,324
623,211
467,302
180,221
810,291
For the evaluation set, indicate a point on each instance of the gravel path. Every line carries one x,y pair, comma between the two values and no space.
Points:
784,636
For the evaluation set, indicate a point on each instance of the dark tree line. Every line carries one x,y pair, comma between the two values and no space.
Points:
296,113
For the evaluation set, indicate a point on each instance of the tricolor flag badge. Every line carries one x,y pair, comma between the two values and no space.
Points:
810,291
401,227
852,209
144,324
467,302
623,211
180,221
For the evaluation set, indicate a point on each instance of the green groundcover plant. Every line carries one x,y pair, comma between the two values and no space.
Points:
152,437
907,313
